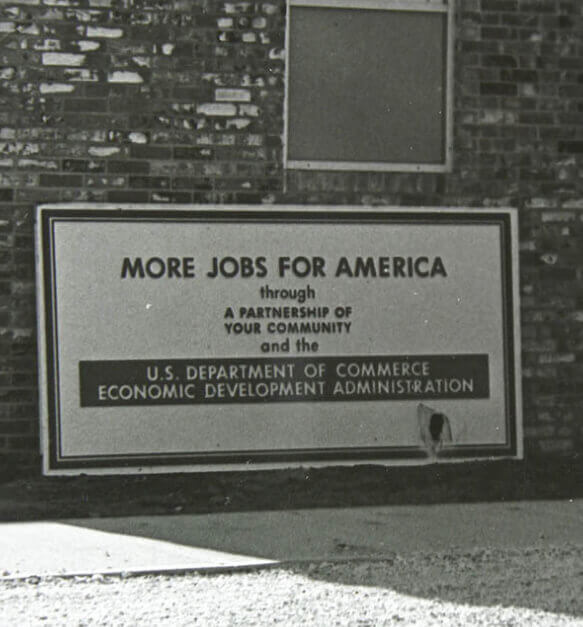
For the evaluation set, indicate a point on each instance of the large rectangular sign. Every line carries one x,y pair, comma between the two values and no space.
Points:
197,338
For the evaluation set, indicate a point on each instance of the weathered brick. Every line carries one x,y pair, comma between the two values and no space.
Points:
232,95
499,60
200,184
176,102
87,46
137,138
85,104
536,118
56,88
573,147
184,152
499,5
217,109
129,167
99,180
149,182
82,165
63,58
60,180
171,197
138,151
104,32
22,443
125,76
81,75
498,89
127,196
556,446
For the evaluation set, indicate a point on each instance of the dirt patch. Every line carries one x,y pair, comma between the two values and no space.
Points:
33,498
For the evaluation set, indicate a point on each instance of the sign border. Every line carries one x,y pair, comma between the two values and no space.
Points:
54,462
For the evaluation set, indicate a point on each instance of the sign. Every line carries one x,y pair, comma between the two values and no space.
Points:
194,338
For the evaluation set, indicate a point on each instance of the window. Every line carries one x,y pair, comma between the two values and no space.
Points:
368,85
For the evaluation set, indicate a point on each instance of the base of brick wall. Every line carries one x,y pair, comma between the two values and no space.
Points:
546,478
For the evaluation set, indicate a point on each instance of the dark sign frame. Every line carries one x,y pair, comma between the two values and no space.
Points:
55,462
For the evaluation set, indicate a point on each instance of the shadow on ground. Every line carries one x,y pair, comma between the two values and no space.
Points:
522,555
500,537
37,498
540,580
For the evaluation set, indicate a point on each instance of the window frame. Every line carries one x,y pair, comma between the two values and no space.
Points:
427,6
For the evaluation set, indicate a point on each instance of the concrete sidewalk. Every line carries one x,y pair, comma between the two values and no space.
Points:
254,539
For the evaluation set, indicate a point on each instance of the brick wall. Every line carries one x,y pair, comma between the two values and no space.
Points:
182,101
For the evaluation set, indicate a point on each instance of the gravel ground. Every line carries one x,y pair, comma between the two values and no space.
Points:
530,587
535,586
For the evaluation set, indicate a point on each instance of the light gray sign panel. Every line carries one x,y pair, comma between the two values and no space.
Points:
196,337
